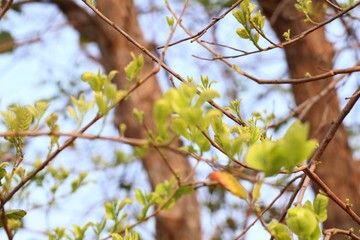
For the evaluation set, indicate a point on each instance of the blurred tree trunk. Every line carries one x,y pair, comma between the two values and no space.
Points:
313,54
183,220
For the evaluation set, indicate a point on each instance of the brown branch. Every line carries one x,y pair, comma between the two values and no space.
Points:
125,140
4,9
313,176
4,220
320,150
333,231
294,81
327,74
334,127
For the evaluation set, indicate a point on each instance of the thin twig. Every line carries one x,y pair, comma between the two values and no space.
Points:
121,139
299,36
267,208
334,231
5,221
334,127
319,152
202,32
305,106
331,194
327,74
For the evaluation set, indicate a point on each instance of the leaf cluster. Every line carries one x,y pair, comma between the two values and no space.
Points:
252,23
286,153
304,221
106,94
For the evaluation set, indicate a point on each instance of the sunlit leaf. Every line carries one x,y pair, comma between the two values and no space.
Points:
302,221
279,231
243,33
260,156
207,95
133,69
14,214
93,80
7,42
170,20
256,191
320,207
230,183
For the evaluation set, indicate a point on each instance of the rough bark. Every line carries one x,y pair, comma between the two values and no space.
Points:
313,54
183,220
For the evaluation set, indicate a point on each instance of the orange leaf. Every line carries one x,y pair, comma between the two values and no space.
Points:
230,183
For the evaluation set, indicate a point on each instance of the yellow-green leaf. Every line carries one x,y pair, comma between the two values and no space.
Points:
256,191
320,204
230,183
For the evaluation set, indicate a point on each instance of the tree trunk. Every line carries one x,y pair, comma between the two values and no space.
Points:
311,54
183,220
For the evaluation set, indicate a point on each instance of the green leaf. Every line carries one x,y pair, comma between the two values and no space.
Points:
315,235
139,115
180,127
14,214
244,6
133,69
109,211
256,37
230,183
101,102
93,80
7,42
209,116
111,75
92,2
41,107
287,152
279,231
182,191
261,157
162,110
207,95
287,35
243,33
239,16
3,173
111,93
320,207
140,197
72,113
298,147
170,21
22,119
191,115
51,120
199,138
302,221
116,236
256,191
